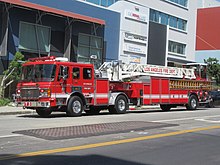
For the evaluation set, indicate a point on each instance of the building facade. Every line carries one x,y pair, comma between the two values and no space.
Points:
178,18
208,30
158,32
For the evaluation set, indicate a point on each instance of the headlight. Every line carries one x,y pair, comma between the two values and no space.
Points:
18,92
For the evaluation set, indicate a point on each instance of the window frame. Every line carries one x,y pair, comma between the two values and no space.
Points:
90,48
179,48
84,73
78,75
172,21
38,50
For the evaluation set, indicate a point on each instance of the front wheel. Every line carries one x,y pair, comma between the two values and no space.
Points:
121,105
192,103
44,112
74,107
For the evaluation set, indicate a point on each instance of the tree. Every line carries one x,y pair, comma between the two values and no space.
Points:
12,74
213,69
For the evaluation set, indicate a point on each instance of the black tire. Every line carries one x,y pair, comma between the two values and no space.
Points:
165,107
44,112
74,107
192,103
210,105
121,105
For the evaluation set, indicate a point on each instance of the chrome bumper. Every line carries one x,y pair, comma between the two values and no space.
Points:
31,104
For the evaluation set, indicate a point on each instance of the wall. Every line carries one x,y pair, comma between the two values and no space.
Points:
189,14
133,32
56,23
207,35
112,19
208,29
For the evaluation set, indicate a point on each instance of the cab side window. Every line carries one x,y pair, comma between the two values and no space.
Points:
62,72
76,73
87,73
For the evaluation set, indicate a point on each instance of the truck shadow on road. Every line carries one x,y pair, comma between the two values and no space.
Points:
64,159
105,113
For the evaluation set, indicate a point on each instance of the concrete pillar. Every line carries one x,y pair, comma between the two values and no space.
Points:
4,32
67,41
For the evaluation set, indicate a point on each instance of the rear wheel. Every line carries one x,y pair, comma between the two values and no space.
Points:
44,112
74,107
121,105
165,107
192,103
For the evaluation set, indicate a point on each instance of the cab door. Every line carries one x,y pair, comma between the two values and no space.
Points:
83,82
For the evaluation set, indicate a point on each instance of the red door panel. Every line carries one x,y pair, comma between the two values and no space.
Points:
101,94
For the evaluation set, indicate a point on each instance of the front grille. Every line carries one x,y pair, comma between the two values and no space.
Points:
30,93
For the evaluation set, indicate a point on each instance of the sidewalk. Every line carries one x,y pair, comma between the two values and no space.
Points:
12,110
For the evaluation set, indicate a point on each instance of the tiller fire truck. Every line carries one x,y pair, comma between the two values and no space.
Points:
54,84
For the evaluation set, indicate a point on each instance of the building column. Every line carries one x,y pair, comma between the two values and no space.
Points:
68,41
4,31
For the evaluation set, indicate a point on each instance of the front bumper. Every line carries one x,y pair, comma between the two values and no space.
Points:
33,104
209,100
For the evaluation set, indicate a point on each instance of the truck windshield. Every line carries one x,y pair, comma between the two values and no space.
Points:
38,73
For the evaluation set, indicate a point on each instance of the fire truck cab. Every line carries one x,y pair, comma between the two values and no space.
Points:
54,84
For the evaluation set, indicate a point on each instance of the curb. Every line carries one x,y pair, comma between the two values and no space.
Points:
10,110
16,113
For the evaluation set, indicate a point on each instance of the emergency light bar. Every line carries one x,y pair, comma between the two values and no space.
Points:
49,58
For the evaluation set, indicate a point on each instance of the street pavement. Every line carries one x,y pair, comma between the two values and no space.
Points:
13,110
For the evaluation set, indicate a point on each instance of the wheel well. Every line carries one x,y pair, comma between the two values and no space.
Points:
194,94
79,95
122,94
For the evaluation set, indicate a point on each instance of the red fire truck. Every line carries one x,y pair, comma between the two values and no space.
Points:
54,84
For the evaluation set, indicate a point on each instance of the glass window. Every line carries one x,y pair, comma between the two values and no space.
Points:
44,73
87,73
180,2
154,16
34,38
27,73
175,47
97,2
104,3
84,39
173,21
38,73
90,45
166,19
76,73
63,71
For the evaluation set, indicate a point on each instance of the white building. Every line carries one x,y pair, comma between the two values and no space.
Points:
155,31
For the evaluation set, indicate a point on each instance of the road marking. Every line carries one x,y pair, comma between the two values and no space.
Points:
208,121
95,145
189,118
7,136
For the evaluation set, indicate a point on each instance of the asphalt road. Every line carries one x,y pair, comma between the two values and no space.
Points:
161,138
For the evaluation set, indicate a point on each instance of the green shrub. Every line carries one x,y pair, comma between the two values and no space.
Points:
4,101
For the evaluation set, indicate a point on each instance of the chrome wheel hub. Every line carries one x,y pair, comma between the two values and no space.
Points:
193,103
76,107
121,105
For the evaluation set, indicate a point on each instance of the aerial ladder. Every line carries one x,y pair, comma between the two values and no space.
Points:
118,71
